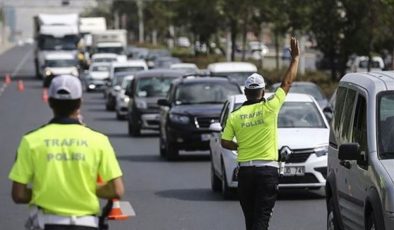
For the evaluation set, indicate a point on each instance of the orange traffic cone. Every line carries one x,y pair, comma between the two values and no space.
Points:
7,79
45,95
116,212
21,86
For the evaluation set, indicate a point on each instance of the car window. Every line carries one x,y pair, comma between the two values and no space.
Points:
100,68
346,124
153,86
359,134
204,92
224,114
300,115
340,99
386,125
61,63
128,69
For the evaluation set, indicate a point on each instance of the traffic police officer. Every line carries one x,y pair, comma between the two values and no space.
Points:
62,160
254,126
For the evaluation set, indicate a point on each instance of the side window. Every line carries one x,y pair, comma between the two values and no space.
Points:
170,93
340,99
346,121
359,134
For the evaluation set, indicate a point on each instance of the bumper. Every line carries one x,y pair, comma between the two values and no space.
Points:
121,107
150,121
314,177
190,140
96,84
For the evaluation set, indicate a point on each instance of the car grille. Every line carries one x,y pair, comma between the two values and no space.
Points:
306,179
204,122
299,155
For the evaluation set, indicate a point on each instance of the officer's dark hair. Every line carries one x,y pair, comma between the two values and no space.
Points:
64,108
254,94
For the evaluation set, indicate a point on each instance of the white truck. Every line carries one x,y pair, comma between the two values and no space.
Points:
53,33
110,41
89,25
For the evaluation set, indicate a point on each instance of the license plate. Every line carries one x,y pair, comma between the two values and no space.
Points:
205,137
294,171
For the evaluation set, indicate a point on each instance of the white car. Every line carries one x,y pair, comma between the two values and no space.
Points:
303,133
104,57
58,63
97,77
360,64
188,68
122,100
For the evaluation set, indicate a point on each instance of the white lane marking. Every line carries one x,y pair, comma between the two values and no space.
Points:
17,69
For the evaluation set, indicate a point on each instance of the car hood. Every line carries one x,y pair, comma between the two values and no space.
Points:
302,138
209,110
99,75
63,70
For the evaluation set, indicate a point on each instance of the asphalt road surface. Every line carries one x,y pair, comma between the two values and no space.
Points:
165,195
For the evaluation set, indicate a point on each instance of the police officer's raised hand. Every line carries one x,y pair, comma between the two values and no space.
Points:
295,49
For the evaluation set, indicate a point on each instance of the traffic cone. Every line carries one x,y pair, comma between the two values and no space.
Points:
21,86
7,79
116,212
45,95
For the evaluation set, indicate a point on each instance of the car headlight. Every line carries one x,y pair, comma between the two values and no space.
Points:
321,151
182,119
141,104
125,99
48,72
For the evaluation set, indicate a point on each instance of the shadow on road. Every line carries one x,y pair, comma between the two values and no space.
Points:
192,157
141,158
95,109
198,194
105,118
300,194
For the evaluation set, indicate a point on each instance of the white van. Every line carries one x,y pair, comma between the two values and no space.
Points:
360,64
236,71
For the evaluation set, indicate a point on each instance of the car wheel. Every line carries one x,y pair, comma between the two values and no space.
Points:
216,184
134,128
172,151
162,146
371,221
332,219
118,116
226,190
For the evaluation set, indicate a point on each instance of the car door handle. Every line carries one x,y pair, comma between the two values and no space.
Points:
345,164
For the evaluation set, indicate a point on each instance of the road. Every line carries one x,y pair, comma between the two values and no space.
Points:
165,195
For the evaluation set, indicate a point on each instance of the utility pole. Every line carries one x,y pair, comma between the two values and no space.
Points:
140,21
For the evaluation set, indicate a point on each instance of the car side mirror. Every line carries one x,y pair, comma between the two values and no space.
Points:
215,127
163,102
349,151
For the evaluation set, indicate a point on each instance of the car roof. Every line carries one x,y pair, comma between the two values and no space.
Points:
290,97
231,67
194,79
159,73
297,83
59,55
373,82
183,65
130,63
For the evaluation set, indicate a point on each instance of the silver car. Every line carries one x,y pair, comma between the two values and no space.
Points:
360,173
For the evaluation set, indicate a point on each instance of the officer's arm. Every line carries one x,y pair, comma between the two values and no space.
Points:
231,145
111,190
21,194
291,72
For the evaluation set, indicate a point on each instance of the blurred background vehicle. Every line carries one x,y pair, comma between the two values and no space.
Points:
153,54
97,76
58,63
360,64
187,68
110,41
309,88
166,62
235,71
104,57
302,132
122,100
145,90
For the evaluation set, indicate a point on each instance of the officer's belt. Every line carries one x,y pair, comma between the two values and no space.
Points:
258,163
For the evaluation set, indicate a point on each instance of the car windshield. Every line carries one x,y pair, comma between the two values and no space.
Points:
205,92
386,125
128,69
114,50
100,68
153,86
364,64
126,82
61,63
237,77
298,115
47,42
104,59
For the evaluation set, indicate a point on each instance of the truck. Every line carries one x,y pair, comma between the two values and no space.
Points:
110,41
89,25
53,33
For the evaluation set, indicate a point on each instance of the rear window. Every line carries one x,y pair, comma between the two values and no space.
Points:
128,69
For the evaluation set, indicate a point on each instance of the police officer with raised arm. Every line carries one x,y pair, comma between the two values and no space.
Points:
57,166
254,127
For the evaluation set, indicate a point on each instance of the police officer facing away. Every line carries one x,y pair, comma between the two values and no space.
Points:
254,126
61,161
